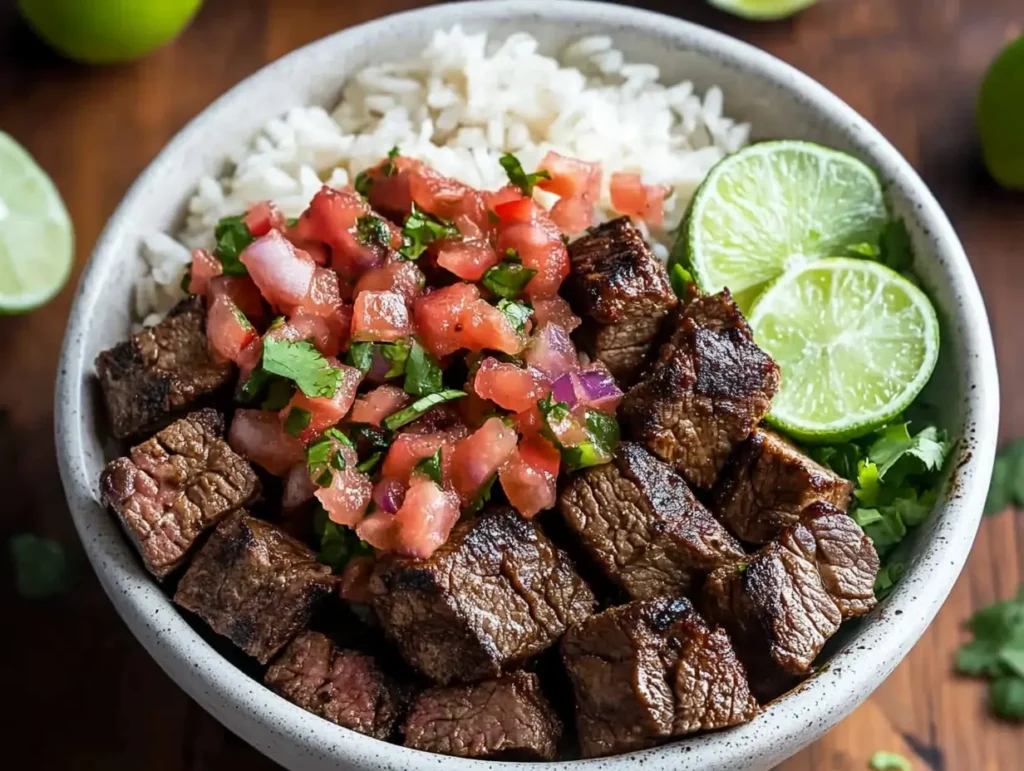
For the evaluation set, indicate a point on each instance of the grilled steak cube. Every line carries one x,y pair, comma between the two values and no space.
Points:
507,718
847,561
767,483
344,686
254,584
494,594
160,371
621,291
642,525
707,390
175,485
649,671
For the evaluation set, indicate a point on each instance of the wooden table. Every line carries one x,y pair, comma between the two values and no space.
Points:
82,694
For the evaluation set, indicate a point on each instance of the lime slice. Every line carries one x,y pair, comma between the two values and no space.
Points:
775,206
763,10
1001,117
36,237
856,343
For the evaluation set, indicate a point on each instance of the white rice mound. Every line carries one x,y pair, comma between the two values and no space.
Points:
459,105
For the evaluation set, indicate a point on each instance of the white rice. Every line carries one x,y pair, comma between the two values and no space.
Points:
459,105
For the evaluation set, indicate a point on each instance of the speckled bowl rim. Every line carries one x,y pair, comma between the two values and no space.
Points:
299,740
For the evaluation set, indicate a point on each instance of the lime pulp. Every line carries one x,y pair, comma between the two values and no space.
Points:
763,10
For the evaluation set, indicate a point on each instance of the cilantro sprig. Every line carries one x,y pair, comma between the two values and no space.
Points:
371,229
232,236
420,230
509,277
300,362
520,178
517,313
420,406
431,467
997,653
338,544
603,430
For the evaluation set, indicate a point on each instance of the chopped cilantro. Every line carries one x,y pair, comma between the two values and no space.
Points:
508,279
398,354
602,428
997,653
297,420
889,761
423,375
371,437
389,169
253,385
431,467
680,279
367,466
232,235
422,229
520,178
319,453
363,183
339,436
40,566
279,393
483,496
186,280
360,356
420,406
516,312
338,544
301,362
371,229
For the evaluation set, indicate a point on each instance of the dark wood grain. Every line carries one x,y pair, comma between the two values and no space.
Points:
82,694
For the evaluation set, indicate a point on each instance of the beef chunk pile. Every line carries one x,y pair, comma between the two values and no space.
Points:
641,523
254,584
507,718
621,291
494,594
175,485
767,483
160,371
344,686
707,390
789,600
649,671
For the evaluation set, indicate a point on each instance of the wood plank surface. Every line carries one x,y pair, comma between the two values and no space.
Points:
82,694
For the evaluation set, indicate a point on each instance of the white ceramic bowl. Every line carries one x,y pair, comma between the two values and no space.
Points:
781,103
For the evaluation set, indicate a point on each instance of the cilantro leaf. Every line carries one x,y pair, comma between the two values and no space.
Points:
40,566
483,496
360,356
431,467
389,169
895,451
516,312
423,375
371,229
362,184
338,544
297,421
997,652
367,466
841,458
680,279
889,761
520,178
1006,697
279,393
232,235
420,406
422,229
301,362
507,279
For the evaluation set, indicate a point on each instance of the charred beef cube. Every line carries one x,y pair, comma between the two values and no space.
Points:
346,687
494,594
622,293
641,523
649,671
767,483
705,393
847,561
160,371
254,584
176,485
507,718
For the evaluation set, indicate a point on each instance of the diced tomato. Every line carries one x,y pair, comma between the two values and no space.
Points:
204,268
408,449
259,436
323,295
243,291
325,412
632,197
484,327
373,407
379,530
426,518
249,358
389,192
227,329
529,421
551,351
572,215
448,199
348,496
510,387
401,276
494,198
529,230
474,410
282,272
438,317
468,260
530,476
262,218
355,580
578,185
298,487
332,218
381,317
339,321
318,330
517,210
554,310
477,458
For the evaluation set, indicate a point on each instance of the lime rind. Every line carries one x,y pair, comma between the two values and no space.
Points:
763,10
856,341
36,234
772,207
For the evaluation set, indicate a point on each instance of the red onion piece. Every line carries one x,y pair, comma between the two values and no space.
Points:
564,389
599,388
389,494
552,352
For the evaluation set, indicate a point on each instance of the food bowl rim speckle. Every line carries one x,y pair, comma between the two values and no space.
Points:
300,740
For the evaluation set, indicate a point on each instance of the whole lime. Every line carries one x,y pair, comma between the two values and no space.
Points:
106,31
1001,117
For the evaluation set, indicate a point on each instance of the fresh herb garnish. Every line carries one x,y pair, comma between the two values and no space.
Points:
420,406
1007,485
389,169
338,544
997,653
516,312
297,421
40,566
369,437
603,430
279,392
423,375
680,279
360,356
889,761
431,467
508,279
232,235
371,229
368,465
520,178
305,365
363,183
186,280
483,496
398,354
422,229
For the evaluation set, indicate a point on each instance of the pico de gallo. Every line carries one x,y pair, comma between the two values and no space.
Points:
404,353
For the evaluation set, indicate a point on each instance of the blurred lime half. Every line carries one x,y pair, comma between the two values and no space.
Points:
36,237
107,31
763,10
1001,117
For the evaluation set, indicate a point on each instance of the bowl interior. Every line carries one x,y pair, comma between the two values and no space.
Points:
780,103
